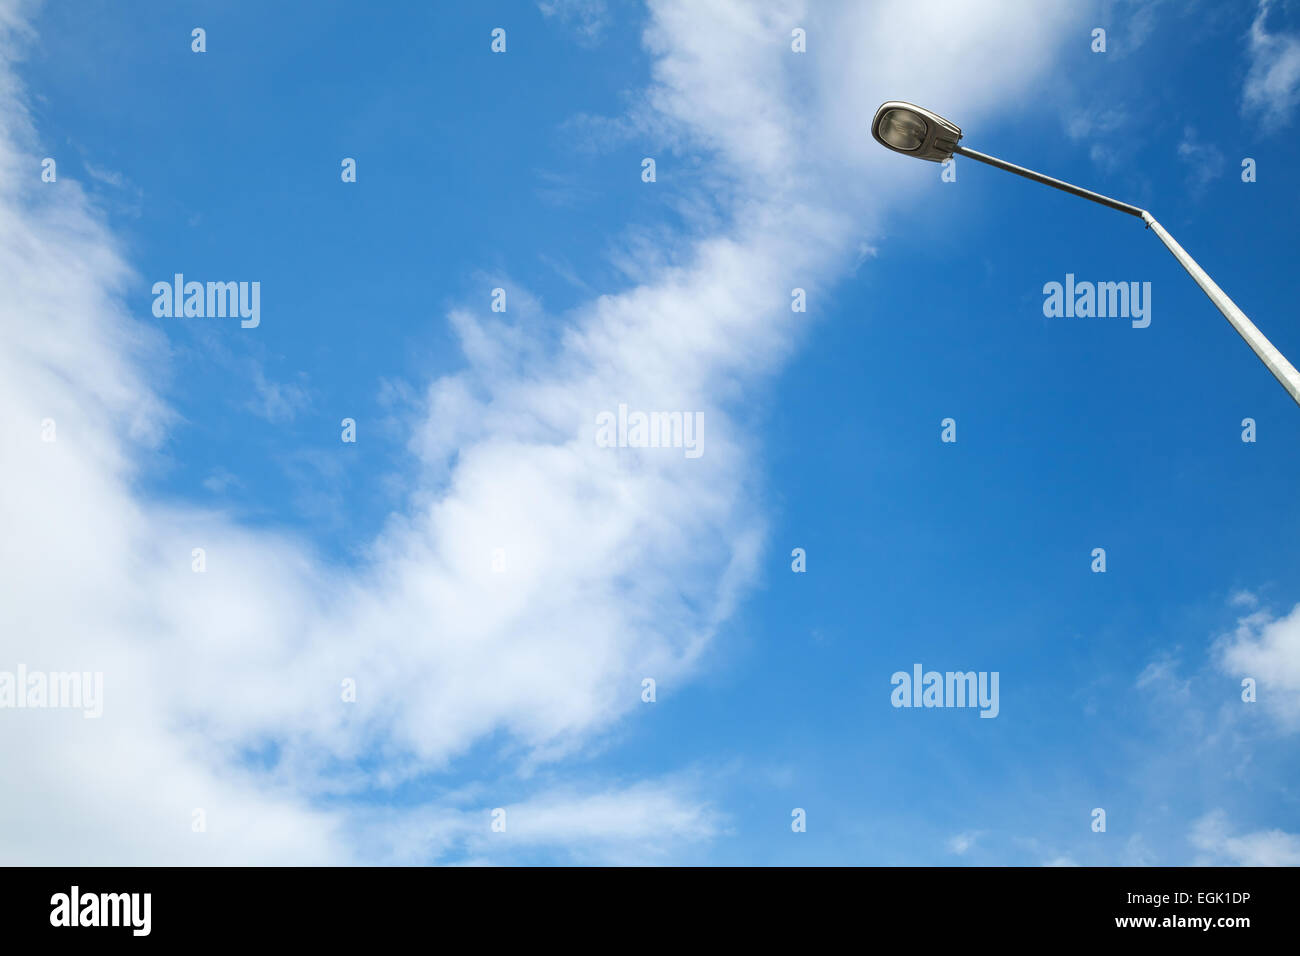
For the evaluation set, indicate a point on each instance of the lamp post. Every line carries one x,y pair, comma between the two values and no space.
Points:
913,131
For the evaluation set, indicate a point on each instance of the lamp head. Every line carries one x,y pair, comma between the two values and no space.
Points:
914,131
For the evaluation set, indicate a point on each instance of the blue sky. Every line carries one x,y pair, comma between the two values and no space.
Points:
521,690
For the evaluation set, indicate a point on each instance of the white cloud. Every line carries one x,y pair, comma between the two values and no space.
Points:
589,18
1086,124
277,402
1213,836
1138,853
1243,598
1160,678
1204,161
618,565
637,824
107,176
221,481
1104,130
1272,86
962,842
1267,648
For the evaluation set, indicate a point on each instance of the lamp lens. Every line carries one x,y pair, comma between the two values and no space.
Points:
902,129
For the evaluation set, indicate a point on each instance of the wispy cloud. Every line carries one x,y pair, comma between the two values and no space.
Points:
220,481
1272,86
1267,648
1099,128
107,176
1204,161
277,402
637,824
1243,599
963,842
1214,836
589,18
449,648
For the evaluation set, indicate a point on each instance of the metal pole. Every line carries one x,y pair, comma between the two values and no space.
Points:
1277,363
1274,360
1049,181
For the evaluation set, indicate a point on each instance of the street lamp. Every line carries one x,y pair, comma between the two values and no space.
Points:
908,129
